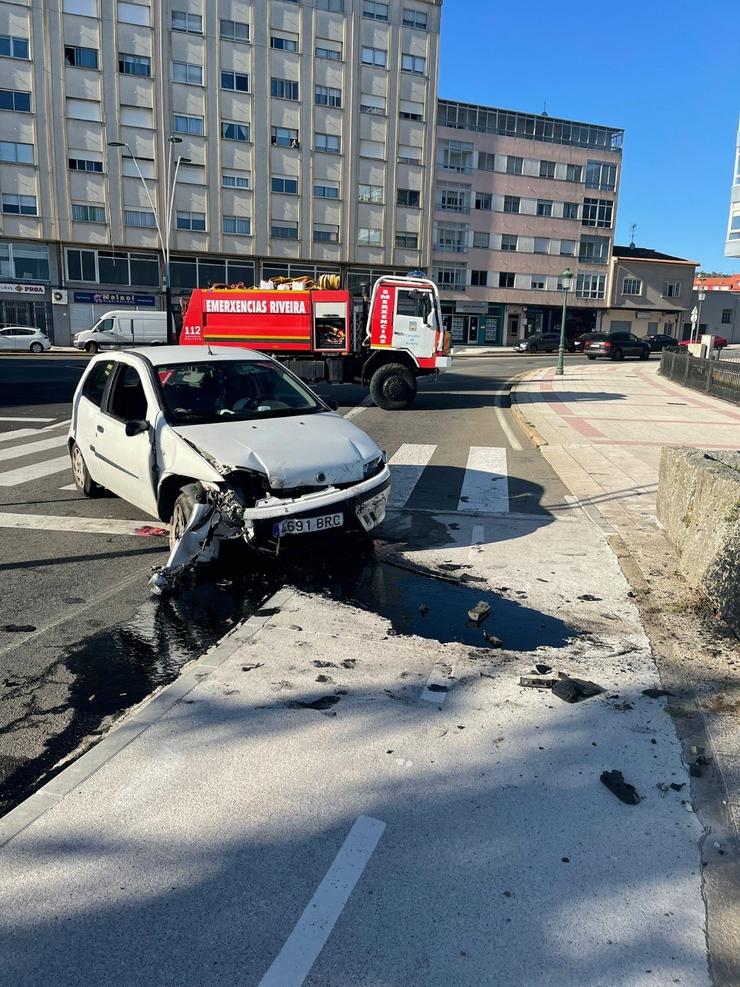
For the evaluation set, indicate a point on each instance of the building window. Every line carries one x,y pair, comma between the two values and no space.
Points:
483,200
284,89
195,221
232,131
370,193
129,13
451,277
413,63
414,18
367,237
573,173
632,286
671,289
567,248
411,111
547,169
408,197
188,125
512,203
544,207
453,197
189,23
88,214
15,99
509,241
590,285
234,30
452,237
327,96
284,231
187,72
538,282
284,137
409,155
26,262
80,58
506,279
327,142
375,105
232,180
139,217
570,210
326,234
19,205
326,190
335,6
486,161
375,11
726,317
16,153
81,265
283,44
455,155
479,279
134,64
235,81
597,212
332,54
594,249
482,240
407,241
131,116
374,56
237,225
286,186
601,175
514,165
12,46
83,8
541,245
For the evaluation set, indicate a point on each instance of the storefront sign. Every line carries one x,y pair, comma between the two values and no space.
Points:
24,289
471,308
113,298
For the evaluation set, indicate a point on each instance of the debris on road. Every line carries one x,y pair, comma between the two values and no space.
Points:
150,531
18,628
436,687
575,690
494,641
349,663
537,682
614,781
423,609
543,669
324,678
323,702
323,664
479,612
590,598
656,693
251,668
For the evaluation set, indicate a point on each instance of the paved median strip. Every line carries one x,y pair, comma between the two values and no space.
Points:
79,525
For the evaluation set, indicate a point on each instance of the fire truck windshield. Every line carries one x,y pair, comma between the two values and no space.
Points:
218,390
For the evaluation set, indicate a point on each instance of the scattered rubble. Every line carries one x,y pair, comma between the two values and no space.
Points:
614,781
18,628
251,668
575,690
323,664
656,693
494,641
590,598
323,702
423,609
542,669
537,682
479,612
150,531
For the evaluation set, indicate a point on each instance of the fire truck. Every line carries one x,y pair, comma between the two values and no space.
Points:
310,329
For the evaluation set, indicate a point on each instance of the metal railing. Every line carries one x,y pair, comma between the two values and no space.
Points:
720,378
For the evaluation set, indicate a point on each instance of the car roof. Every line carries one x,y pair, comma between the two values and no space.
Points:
158,355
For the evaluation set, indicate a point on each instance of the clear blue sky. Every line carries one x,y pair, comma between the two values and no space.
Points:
667,71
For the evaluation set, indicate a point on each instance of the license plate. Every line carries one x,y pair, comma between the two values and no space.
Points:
372,512
303,526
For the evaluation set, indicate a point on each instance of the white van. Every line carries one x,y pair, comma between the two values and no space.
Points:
122,328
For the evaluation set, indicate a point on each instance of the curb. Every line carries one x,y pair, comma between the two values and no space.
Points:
136,721
534,436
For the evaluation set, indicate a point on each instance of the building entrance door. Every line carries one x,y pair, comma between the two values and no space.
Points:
472,329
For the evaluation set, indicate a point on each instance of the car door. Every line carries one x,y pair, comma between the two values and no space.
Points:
128,461
634,344
86,415
5,339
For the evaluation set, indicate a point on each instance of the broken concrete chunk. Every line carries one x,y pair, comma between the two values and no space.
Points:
349,663
323,664
614,781
18,628
656,693
323,702
575,690
589,598
479,612
423,609
537,682
251,668
494,641
542,669
436,687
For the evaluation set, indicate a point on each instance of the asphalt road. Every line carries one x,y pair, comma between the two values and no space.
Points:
81,639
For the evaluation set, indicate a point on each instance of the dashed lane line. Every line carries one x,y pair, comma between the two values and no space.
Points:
13,478
24,433
31,448
406,466
78,525
485,488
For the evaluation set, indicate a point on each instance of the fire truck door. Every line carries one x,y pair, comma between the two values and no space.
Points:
413,323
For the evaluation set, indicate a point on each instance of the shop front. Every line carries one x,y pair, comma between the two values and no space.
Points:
25,305
474,323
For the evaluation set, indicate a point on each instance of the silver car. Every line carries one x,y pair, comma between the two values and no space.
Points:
24,338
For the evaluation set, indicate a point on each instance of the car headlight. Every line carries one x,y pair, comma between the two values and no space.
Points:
369,469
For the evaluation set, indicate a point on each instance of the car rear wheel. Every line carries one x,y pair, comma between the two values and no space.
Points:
645,355
81,474
534,348
618,355
590,357
393,387
37,348
92,347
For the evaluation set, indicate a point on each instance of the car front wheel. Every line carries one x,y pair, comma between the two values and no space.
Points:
618,355
37,348
92,348
393,387
533,348
590,357
645,355
83,481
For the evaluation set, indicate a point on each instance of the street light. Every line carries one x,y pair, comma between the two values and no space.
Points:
163,234
566,279
701,296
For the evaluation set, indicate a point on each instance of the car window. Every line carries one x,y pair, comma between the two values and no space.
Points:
6,332
621,336
104,326
224,390
633,338
128,400
96,380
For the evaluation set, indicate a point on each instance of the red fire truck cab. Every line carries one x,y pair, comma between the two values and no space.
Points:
312,331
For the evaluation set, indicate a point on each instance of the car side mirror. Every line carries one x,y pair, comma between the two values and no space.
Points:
136,427
332,403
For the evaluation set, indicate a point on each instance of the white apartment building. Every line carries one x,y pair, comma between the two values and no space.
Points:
732,246
306,129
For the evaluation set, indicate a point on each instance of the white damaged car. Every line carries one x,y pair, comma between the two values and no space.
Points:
221,443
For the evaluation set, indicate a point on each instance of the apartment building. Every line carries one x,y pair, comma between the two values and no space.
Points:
519,198
649,292
301,134
732,246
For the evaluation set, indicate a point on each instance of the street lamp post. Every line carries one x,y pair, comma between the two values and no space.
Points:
701,296
163,231
566,279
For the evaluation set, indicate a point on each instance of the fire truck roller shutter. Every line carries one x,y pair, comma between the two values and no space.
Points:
330,326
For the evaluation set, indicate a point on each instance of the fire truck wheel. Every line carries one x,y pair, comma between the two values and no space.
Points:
393,387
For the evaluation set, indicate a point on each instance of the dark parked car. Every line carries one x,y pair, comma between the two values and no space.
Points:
580,341
616,346
657,342
719,342
547,342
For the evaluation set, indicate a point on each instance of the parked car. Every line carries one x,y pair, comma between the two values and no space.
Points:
548,342
658,342
228,433
719,342
24,338
580,341
119,329
616,346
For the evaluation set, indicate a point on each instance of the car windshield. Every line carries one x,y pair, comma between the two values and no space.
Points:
228,390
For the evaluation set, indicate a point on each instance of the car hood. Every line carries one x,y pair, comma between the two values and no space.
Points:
291,452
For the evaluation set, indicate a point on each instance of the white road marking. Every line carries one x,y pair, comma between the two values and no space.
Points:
301,950
29,448
477,537
406,466
80,525
437,677
23,474
69,486
26,419
365,403
485,488
505,427
24,433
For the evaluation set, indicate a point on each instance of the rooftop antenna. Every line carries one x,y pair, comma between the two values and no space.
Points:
632,235
544,109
